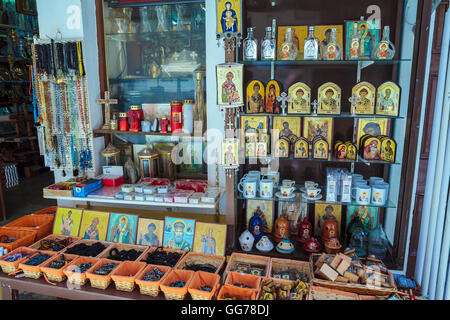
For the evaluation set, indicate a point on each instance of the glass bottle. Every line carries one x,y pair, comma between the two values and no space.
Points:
268,46
358,238
288,51
332,50
385,49
378,242
250,46
354,51
311,47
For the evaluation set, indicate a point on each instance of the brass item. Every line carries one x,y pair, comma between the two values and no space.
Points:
111,154
149,162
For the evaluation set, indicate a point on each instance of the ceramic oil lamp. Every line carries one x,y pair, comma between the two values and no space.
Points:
264,245
281,228
246,240
255,226
304,231
285,246
329,229
312,245
332,246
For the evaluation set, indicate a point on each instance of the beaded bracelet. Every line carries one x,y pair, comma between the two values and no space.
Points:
205,288
153,275
58,264
85,250
177,284
201,267
160,257
83,267
55,245
37,259
124,255
106,269
6,239
16,257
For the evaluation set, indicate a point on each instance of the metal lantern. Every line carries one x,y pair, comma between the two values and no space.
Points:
149,162
111,154
167,166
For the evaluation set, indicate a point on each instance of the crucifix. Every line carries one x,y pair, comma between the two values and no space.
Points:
315,105
284,99
107,102
354,100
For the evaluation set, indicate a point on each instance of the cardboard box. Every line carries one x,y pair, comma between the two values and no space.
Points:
83,189
327,272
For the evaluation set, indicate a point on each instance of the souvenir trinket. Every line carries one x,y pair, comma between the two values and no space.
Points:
332,246
385,50
164,122
148,162
85,250
281,228
388,149
111,155
123,121
264,245
83,267
311,46
282,148
288,51
124,255
285,246
136,115
371,148
273,92
301,148
255,97
354,51
332,50
320,149
107,102
365,93
106,269
176,116
388,99
300,102
246,241
268,46
114,122
304,231
160,257
230,84
255,226
329,229
368,33
37,259
312,245
329,95
250,46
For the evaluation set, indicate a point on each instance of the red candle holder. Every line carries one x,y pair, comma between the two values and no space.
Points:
136,115
176,115
164,122
123,122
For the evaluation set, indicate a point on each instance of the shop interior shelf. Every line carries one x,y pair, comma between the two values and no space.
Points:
321,62
255,160
342,115
103,132
150,36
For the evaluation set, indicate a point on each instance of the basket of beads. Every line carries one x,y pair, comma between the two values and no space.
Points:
125,275
31,266
76,270
201,262
289,270
10,262
149,279
54,243
100,274
162,256
11,238
175,286
204,285
124,252
53,268
241,280
235,293
41,224
88,248
279,289
248,264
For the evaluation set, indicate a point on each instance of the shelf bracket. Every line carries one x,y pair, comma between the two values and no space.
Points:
272,70
362,65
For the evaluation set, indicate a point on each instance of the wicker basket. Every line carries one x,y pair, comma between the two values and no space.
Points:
241,293
125,275
37,244
76,277
199,258
254,282
120,247
152,249
363,289
99,281
23,238
49,211
56,275
33,272
279,265
278,282
42,225
11,267
201,279
248,259
151,288
176,275
320,293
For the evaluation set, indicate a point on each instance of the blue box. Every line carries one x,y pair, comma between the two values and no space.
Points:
82,190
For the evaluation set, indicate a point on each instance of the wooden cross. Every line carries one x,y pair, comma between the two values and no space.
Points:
315,105
354,100
107,102
284,99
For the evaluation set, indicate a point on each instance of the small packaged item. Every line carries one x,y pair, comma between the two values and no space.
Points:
332,183
346,187
159,198
163,189
149,189
150,197
139,188
196,198
139,197
169,198
182,196
127,188
120,195
129,196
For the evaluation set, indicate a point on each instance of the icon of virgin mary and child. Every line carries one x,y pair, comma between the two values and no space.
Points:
229,20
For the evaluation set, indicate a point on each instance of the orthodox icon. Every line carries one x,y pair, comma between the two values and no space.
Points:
322,212
388,99
373,127
179,234
329,99
351,151
252,125
67,222
229,16
261,149
210,238
299,34
388,149
273,90
320,149
372,147
286,126
340,151
264,209
255,97
300,94
250,150
314,126
323,33
229,84
367,215
150,232
122,228
94,225
366,98
369,35
282,148
230,152
301,148
294,212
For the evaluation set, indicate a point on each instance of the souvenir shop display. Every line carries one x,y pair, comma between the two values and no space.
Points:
250,46
329,95
367,34
273,92
385,49
320,148
271,290
388,99
301,148
371,127
230,84
300,99
255,97
331,49
282,147
345,150
59,84
268,46
311,46
366,95
313,127
288,50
